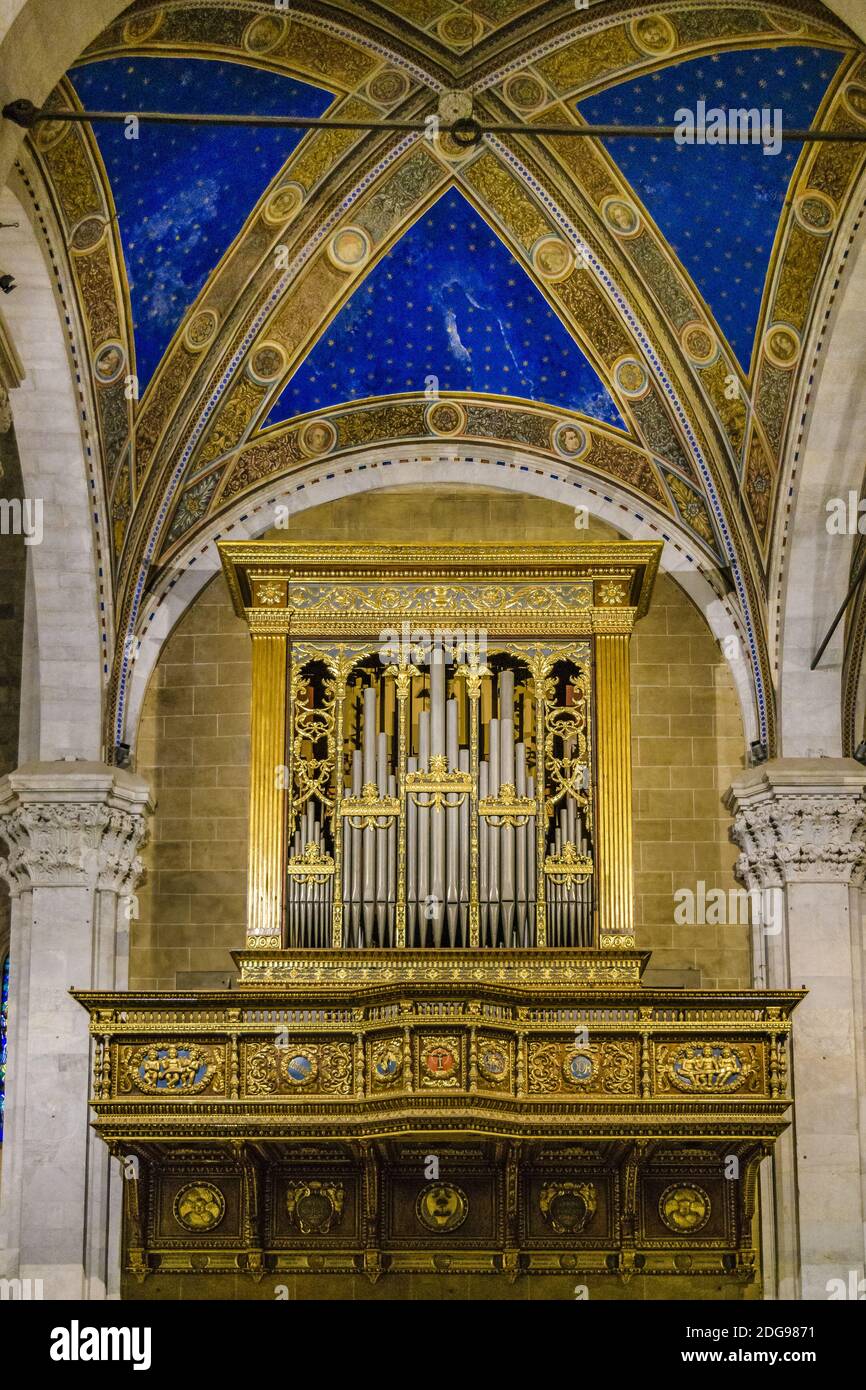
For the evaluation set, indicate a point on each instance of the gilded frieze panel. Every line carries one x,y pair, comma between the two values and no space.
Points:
224,30
67,158
692,509
759,480
806,240
399,421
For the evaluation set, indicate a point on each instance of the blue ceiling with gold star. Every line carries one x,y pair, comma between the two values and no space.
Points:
447,308
183,192
718,205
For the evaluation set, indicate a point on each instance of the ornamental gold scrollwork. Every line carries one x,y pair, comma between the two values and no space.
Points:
506,807
175,1069
313,864
311,725
370,810
322,1068
441,598
438,787
569,773
568,1207
608,1068
709,1068
569,867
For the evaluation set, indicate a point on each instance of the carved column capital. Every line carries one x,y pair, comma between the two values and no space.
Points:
800,820
71,825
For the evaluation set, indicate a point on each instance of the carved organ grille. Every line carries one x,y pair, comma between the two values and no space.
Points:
438,792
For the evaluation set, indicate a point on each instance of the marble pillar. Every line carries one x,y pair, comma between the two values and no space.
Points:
71,831
800,825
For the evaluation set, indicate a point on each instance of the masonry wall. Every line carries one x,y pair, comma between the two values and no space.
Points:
193,746
13,570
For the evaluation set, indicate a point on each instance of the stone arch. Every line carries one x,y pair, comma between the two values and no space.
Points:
812,566
62,679
254,514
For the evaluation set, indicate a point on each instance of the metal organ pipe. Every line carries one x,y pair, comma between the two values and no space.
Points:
437,842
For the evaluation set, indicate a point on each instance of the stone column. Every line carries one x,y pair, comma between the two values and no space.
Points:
801,826
73,831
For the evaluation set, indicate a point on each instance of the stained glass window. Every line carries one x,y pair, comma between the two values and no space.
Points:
4,1009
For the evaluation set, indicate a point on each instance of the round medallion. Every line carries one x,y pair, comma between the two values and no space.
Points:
440,1062
142,27
621,216
654,34
445,418
264,33
631,377
782,345
199,1206
283,204
387,1063
300,1068
49,133
700,343
459,29
815,211
684,1208
570,440
493,1062
454,105
855,98
525,92
318,437
578,1068
200,329
553,258
267,363
388,86
349,248
109,363
441,1207
87,233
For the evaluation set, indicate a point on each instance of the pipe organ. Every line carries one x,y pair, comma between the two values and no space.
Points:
440,957
423,744
454,780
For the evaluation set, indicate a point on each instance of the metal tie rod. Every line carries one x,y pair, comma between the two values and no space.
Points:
466,131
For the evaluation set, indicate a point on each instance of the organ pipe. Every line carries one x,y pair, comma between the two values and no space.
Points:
466,861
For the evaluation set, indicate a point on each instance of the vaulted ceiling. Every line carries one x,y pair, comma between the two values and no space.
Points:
259,299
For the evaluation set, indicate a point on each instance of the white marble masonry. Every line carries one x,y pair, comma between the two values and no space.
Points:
73,831
801,827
